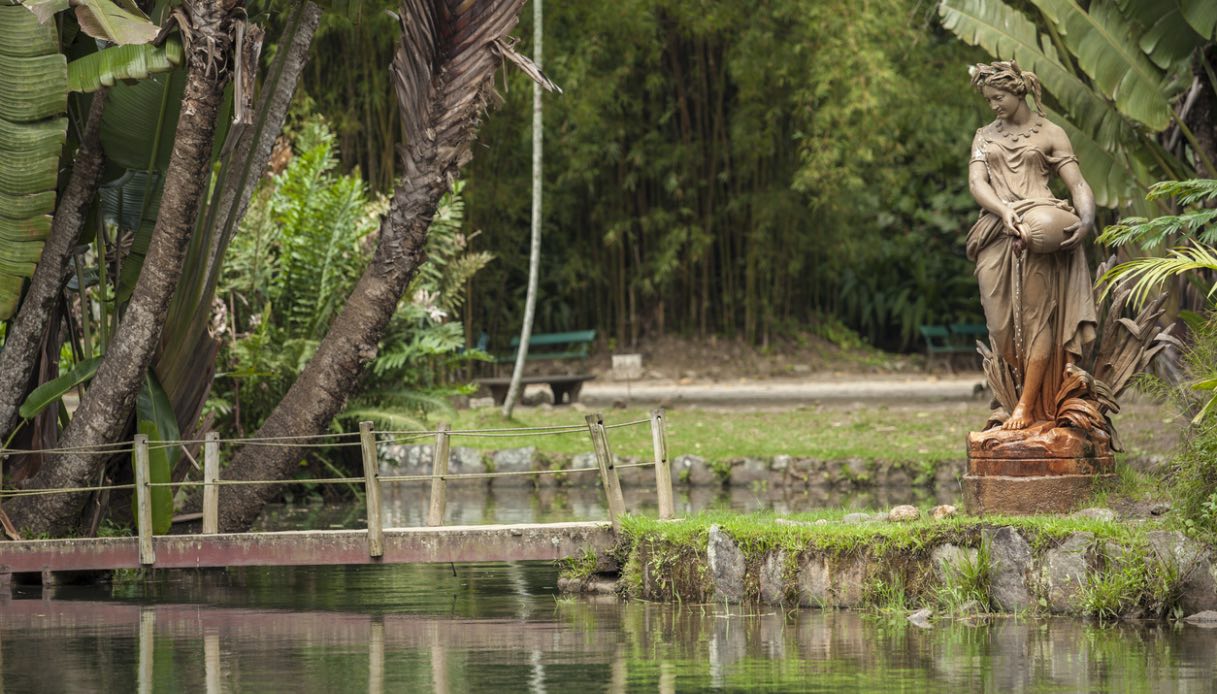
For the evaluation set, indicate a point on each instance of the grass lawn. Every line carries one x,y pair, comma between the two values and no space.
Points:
932,432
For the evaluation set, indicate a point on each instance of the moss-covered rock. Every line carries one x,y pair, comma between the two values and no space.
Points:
1063,565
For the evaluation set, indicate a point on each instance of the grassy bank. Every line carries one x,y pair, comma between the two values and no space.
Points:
759,533
923,432
1069,565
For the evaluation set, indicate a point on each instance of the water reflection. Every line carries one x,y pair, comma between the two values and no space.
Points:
406,504
501,627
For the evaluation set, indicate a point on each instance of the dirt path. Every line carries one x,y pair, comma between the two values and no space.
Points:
786,391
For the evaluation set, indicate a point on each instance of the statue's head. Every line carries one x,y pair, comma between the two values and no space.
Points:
1006,76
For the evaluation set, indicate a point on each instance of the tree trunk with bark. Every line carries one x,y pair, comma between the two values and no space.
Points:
105,411
515,389
443,75
19,358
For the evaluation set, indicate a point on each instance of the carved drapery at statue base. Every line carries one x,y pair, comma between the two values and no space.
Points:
1042,469
1053,466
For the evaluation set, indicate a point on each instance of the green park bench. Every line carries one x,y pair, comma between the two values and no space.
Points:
943,343
574,345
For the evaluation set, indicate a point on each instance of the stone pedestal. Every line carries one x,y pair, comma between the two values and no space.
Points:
1042,469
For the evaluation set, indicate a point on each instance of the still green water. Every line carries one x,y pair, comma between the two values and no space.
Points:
503,628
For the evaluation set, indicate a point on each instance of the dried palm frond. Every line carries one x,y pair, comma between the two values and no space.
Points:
1125,345
1000,375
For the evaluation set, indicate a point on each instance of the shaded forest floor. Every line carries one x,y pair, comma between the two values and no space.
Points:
725,359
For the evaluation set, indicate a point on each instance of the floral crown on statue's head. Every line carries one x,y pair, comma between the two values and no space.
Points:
1007,76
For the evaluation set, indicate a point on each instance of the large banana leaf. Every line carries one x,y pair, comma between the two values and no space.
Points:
135,114
132,203
106,67
33,98
154,419
1108,51
101,19
1008,34
50,392
1166,37
1201,14
1113,179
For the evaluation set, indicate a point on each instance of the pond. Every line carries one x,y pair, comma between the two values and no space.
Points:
405,504
504,628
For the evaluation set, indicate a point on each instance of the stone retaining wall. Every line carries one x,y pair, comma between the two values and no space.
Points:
1162,574
782,471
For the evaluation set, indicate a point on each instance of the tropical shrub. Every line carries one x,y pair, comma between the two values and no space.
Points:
307,236
1192,235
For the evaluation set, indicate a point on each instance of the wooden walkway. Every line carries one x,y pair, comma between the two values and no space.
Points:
471,543
373,545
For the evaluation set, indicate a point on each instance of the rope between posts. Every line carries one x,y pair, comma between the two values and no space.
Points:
235,483
634,423
408,432
315,480
98,450
124,447
483,475
303,440
60,490
625,465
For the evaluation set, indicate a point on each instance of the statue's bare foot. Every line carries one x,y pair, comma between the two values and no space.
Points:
1018,419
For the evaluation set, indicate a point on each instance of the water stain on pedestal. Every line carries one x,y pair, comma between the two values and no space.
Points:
1042,469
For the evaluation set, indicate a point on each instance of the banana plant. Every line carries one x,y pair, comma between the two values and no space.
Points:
1114,67
36,79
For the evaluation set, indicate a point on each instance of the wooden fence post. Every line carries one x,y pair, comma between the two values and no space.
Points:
371,475
663,469
143,502
608,473
439,485
211,475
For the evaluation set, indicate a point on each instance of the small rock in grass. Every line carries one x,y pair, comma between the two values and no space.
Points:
1206,619
903,514
921,618
1099,514
942,512
971,608
822,521
787,521
853,518
1159,509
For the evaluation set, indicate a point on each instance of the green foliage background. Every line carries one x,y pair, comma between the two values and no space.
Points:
712,167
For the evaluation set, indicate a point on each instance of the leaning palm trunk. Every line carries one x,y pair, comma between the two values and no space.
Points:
19,357
105,411
443,74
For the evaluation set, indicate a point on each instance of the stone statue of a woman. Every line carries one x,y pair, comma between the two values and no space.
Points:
1027,245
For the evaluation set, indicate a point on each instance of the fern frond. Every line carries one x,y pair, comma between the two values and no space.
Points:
1188,192
1153,233
1145,274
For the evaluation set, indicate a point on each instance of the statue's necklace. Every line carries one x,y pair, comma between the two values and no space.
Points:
1025,133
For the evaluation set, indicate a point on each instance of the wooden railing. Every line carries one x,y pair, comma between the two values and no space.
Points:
373,480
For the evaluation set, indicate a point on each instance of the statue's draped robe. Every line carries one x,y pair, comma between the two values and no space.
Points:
1056,293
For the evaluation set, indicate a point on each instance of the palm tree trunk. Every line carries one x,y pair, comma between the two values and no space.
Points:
20,354
515,389
105,411
443,74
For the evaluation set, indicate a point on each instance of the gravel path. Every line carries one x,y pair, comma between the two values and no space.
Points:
781,392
